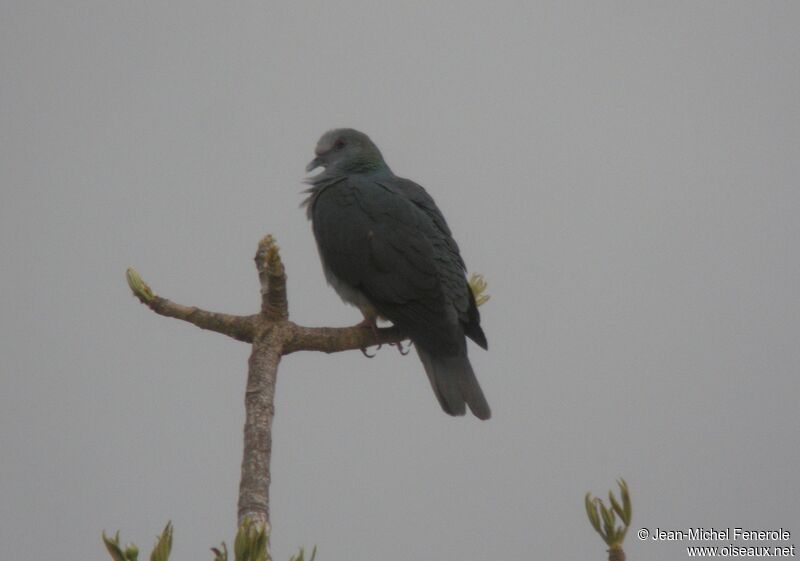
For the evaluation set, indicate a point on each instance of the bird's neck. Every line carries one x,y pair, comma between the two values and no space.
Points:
335,174
363,165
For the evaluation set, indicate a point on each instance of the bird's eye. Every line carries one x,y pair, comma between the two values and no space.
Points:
339,144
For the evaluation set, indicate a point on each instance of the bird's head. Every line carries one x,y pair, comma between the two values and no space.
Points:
346,150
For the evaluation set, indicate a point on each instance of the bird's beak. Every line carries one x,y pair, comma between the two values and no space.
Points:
313,164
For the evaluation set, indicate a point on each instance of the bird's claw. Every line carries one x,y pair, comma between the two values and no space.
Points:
403,351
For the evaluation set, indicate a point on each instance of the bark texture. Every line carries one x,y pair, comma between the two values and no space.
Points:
615,553
272,335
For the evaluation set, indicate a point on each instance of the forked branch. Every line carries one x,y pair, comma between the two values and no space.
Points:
272,335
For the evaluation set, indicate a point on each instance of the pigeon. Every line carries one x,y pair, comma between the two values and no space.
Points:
386,248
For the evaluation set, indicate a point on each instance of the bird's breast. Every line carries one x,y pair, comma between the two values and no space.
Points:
350,294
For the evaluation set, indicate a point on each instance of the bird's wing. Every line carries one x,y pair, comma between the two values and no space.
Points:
419,196
446,249
374,238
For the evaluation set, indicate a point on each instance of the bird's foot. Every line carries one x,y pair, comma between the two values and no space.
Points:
369,323
403,350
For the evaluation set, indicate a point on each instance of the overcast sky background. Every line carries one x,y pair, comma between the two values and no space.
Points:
624,174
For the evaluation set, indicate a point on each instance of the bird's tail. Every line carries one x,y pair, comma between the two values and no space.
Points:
455,385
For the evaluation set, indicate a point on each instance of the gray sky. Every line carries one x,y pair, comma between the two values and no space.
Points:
624,174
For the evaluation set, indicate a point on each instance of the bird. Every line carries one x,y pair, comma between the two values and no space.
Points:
386,248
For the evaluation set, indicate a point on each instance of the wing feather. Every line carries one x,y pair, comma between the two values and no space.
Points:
383,245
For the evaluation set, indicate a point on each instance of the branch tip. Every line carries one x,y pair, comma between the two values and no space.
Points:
266,245
478,286
269,255
272,276
140,288
273,256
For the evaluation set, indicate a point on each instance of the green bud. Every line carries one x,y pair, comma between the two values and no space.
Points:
163,546
591,512
616,506
626,501
221,553
131,552
138,286
112,545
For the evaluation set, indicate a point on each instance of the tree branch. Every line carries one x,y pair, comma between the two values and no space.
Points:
337,339
272,335
259,412
241,328
272,276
